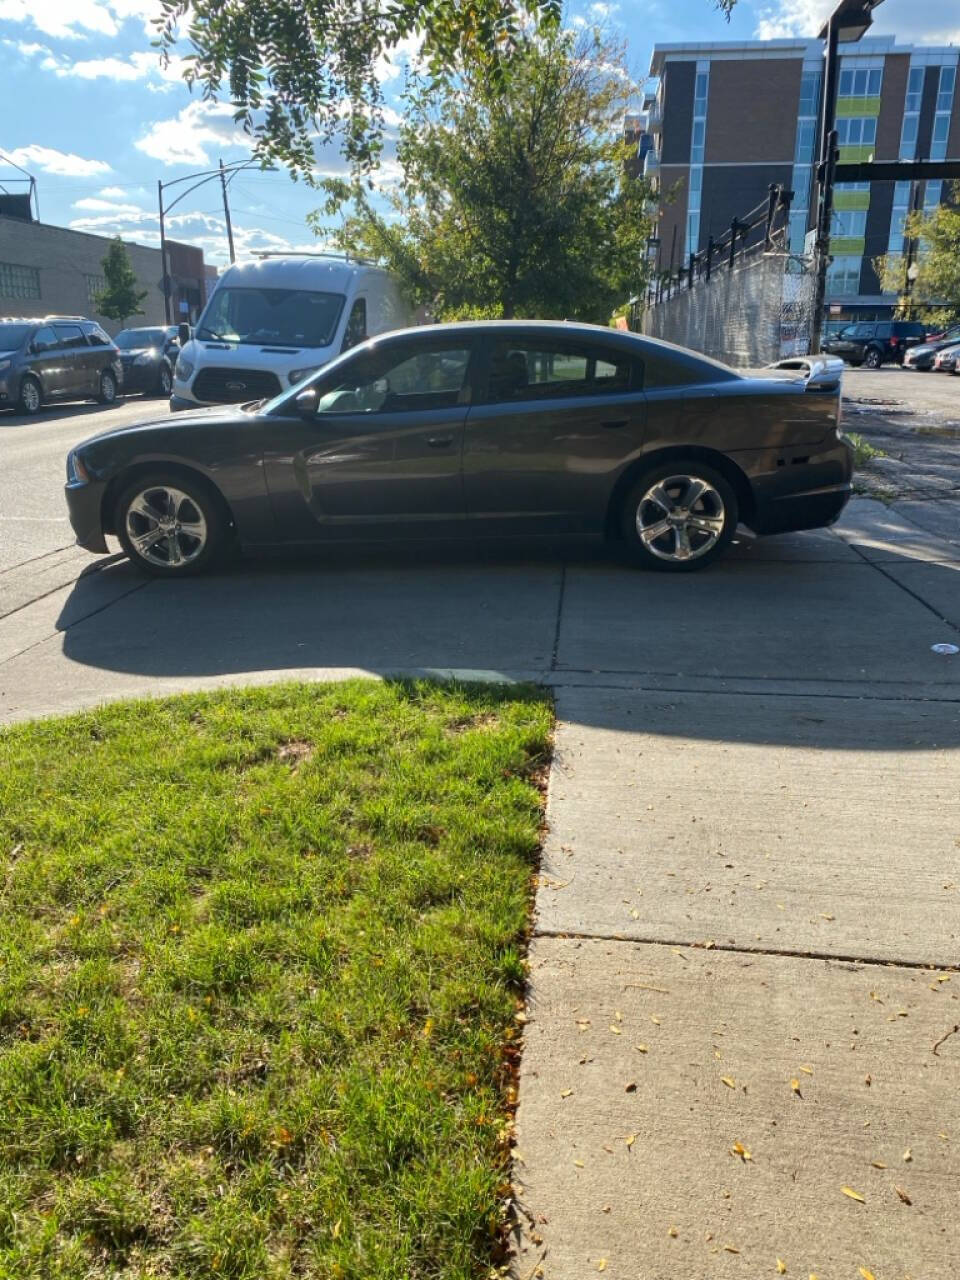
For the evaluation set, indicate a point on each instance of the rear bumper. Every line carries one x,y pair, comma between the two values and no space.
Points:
84,504
811,493
802,511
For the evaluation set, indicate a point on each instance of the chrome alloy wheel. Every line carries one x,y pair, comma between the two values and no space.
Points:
30,394
166,527
680,518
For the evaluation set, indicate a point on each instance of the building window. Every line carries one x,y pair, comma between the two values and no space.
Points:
95,285
698,134
19,282
806,135
941,131
809,93
857,131
843,277
902,199
914,89
860,82
932,196
850,223
948,78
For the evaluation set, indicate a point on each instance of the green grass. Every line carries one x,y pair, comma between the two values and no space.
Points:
261,958
863,450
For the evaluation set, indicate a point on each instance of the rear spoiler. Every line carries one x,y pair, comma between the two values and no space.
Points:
820,373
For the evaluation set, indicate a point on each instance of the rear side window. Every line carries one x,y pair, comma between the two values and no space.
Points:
356,330
863,331
884,330
96,336
70,335
906,330
522,371
663,371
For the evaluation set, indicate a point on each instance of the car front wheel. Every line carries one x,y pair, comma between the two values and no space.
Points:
170,526
30,396
108,388
164,382
679,517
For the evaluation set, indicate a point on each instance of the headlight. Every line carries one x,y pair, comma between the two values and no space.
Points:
298,375
76,472
148,357
183,370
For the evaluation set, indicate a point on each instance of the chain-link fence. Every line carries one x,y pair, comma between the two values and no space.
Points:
752,314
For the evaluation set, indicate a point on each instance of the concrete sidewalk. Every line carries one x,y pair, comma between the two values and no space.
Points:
743,997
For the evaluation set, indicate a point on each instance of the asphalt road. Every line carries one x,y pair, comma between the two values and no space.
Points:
33,452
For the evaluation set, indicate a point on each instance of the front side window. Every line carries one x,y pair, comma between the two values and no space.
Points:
271,317
45,340
522,371
395,380
356,330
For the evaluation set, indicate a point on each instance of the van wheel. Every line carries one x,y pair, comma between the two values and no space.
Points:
679,517
108,388
873,359
30,396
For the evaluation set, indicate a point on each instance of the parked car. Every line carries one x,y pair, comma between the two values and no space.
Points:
875,343
56,358
922,357
492,428
269,324
947,359
148,356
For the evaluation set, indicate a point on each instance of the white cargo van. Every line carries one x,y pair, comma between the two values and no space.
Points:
273,321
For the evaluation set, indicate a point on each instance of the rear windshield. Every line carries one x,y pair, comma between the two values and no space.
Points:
272,317
13,336
908,330
131,339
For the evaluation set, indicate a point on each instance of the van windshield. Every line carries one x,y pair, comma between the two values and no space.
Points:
274,317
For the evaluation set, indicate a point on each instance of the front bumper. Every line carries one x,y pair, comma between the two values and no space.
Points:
85,507
179,403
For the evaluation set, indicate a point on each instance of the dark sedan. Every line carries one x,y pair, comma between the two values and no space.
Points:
148,356
471,429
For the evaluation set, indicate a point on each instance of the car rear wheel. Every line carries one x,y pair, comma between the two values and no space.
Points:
170,526
165,381
30,396
873,359
679,517
108,388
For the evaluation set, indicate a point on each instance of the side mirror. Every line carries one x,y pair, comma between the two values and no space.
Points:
183,334
306,403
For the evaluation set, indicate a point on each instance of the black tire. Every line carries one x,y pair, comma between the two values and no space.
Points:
198,505
30,399
108,388
717,505
873,358
164,382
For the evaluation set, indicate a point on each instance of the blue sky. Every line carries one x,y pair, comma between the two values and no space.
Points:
86,108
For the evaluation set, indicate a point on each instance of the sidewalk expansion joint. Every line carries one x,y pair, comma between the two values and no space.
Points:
67,546
556,631
84,573
909,591
59,631
739,949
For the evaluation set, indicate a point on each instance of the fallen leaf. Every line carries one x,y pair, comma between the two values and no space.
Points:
731,1248
807,1071
602,1264
672,1232
654,1019
903,1195
867,1275
631,1087
630,1139
781,1267
795,1086
729,1082
738,1149
878,1164
565,1093
641,1048
854,1195
579,1164
907,1155
616,1030
605,1209
825,916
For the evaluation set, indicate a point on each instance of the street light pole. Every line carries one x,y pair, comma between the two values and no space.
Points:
164,274
226,212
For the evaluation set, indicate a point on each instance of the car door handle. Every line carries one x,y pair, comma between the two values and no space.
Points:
439,442
616,422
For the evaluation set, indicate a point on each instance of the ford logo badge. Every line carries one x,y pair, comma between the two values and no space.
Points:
236,386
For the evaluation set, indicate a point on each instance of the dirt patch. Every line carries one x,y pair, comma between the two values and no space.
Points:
294,753
486,722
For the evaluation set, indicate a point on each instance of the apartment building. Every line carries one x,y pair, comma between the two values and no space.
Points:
729,119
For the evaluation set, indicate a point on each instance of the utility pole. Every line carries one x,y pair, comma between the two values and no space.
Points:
165,283
825,171
226,212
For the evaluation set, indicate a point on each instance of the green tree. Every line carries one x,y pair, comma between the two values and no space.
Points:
934,293
513,200
303,71
121,297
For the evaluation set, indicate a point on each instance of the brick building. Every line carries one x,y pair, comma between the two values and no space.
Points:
730,119
48,270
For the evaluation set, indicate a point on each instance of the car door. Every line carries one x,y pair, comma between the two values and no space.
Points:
555,420
46,360
381,449
77,359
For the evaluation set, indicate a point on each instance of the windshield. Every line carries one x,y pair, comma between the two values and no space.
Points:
275,317
131,339
13,336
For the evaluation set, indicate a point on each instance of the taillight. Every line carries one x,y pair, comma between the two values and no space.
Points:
894,342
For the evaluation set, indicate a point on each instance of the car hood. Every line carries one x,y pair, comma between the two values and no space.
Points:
128,352
227,414
923,349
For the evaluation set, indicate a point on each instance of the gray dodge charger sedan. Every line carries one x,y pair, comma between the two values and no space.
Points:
465,430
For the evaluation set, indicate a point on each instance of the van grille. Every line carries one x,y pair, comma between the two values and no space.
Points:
233,386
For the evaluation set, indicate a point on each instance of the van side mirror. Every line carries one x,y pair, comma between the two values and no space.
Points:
306,403
183,334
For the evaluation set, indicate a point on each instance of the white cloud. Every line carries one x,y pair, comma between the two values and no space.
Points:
185,138
65,164
405,52
909,22
74,19
113,193
97,205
